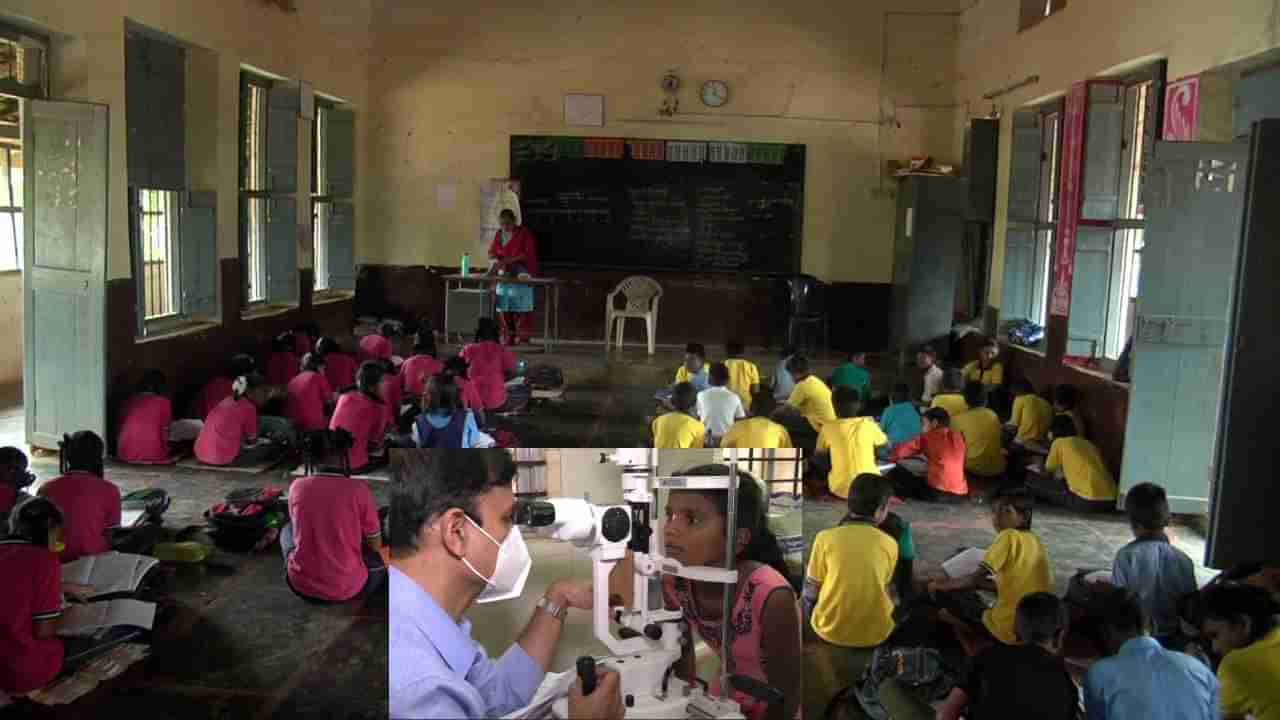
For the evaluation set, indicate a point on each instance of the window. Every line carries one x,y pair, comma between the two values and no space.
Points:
22,63
268,185
157,223
254,186
332,185
1033,12
320,203
11,237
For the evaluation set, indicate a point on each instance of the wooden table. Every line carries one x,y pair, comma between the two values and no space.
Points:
550,298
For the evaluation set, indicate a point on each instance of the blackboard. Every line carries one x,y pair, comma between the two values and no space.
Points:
624,212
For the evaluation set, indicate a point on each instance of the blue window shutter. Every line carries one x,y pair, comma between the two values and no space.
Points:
342,250
1090,284
282,250
198,254
1019,274
155,100
340,141
282,139
1104,133
1024,172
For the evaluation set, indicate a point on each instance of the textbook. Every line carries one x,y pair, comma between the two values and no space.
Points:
964,564
109,572
92,617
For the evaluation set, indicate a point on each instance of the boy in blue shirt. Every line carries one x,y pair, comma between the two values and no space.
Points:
694,371
1158,573
783,383
901,420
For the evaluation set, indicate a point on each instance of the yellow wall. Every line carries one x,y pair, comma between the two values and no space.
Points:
11,328
1089,38
450,82
325,43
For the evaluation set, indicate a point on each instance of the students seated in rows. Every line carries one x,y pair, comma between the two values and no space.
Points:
1016,565
782,382
1026,679
445,421
927,361
331,542
986,370
421,365
943,451
1075,475
379,345
1031,414
901,420
15,478
1141,679
282,362
767,633
848,444
339,367
808,407
744,376
1065,402
235,434
31,604
308,399
853,373
218,388
718,407
680,428
490,364
362,412
851,567
90,503
759,430
147,426
951,398
980,426
695,370
1240,621
1158,573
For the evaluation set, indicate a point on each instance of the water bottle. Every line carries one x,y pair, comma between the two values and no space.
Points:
466,263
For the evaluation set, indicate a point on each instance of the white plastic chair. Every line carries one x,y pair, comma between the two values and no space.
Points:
640,295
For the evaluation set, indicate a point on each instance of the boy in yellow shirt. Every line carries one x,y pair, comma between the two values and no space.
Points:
1240,621
759,430
847,445
1031,414
809,406
1075,475
695,369
986,369
951,398
1015,566
1065,400
980,426
744,376
679,428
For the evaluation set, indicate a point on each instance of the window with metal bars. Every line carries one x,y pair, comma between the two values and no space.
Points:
11,237
321,203
157,225
253,185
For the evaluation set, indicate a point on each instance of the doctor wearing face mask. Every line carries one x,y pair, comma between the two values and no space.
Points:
454,542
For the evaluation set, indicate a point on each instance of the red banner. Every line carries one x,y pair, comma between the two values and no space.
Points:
1182,109
1064,262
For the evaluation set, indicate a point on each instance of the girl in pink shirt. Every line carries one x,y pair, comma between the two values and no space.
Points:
282,363
339,367
14,481
235,434
31,603
90,503
219,387
490,364
305,336
378,346
456,367
421,365
362,412
147,426
309,398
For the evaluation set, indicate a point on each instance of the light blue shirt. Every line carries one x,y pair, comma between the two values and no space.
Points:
782,382
900,423
1143,680
700,380
1159,574
438,671
440,421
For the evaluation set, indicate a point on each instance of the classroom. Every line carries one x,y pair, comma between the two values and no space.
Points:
253,251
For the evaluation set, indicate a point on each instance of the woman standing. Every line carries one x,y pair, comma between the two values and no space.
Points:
514,252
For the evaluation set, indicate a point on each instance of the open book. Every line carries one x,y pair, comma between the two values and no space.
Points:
90,618
110,572
964,564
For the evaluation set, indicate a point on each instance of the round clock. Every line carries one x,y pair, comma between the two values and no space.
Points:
715,93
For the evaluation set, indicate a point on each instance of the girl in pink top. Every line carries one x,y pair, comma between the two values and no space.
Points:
362,412
421,365
765,629
304,338
282,363
144,423
456,367
309,397
378,346
235,434
339,367
219,387
89,502
489,364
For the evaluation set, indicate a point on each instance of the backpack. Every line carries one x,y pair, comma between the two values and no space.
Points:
1025,333
242,522
917,668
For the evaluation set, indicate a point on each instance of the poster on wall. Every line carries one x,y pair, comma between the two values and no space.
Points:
1064,261
1182,109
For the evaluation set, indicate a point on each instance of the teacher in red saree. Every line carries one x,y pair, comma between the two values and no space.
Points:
514,252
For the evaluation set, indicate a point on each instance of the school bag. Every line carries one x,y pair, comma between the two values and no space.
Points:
243,520
1025,333
919,669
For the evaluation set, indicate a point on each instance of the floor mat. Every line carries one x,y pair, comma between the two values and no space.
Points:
194,464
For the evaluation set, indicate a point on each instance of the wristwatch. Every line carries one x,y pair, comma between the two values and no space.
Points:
553,608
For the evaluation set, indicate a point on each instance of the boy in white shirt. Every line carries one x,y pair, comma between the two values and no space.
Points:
927,360
718,406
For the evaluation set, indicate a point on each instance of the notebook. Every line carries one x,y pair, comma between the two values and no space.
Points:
92,617
110,572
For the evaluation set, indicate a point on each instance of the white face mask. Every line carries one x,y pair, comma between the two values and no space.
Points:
511,571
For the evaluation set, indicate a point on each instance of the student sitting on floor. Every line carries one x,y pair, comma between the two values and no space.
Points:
31,604
391,391
847,445
927,361
766,641
218,388
783,383
309,397
951,398
305,337
1016,565
457,367
421,365
980,426
339,367
695,370
332,541
1075,475
900,421
1141,679
14,481
147,426
679,428
378,346
853,373
89,502
445,421
759,430
362,412
1240,621
943,452
718,406
1031,414
986,370
851,566
1158,573
744,376
1065,400
235,434
809,406
282,364
490,363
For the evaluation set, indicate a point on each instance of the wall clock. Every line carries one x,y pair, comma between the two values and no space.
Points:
715,93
